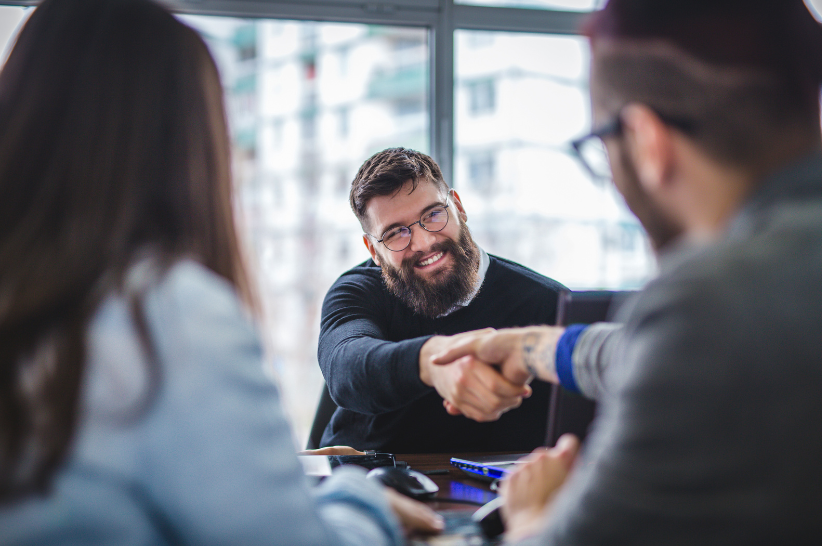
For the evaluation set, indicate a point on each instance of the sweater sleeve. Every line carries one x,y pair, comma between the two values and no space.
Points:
364,371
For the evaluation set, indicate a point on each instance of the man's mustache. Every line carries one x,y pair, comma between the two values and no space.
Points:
409,262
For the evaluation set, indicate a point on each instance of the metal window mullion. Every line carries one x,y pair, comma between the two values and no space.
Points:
374,13
441,90
500,19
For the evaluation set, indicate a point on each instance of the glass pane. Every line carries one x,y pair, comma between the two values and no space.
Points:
308,103
562,5
11,17
520,100
815,7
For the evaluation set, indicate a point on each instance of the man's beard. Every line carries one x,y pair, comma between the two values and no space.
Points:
661,229
435,297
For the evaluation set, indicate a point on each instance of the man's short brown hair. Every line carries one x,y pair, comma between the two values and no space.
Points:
386,172
742,73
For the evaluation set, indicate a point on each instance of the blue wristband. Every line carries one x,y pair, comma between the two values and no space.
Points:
564,356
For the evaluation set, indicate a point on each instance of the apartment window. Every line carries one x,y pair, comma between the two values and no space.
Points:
481,171
308,102
481,96
327,96
343,121
529,200
479,39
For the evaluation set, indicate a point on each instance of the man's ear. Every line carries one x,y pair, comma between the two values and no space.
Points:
458,203
650,145
371,248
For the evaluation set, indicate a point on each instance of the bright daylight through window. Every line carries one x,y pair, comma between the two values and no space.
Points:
519,100
308,102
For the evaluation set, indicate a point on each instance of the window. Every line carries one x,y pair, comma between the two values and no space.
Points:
245,39
343,60
308,102
527,198
815,6
481,97
479,39
344,117
570,5
481,171
327,96
10,20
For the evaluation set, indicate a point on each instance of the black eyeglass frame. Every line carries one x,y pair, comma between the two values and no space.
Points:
408,227
614,128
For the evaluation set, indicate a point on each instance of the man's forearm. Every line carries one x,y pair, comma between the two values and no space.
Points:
427,351
538,354
372,376
576,357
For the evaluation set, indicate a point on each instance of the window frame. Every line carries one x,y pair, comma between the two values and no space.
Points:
442,18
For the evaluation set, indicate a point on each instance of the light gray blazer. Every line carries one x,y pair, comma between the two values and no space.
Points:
710,431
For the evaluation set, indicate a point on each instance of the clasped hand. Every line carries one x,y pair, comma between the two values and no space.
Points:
518,353
469,385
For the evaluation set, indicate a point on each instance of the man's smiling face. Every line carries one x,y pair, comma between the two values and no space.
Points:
436,270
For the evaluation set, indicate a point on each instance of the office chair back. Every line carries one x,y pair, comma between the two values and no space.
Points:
325,409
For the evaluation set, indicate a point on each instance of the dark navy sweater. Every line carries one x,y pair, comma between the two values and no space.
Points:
369,354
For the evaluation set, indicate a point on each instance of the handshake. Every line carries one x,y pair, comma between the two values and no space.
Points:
484,373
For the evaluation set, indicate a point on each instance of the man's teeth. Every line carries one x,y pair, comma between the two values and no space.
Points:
431,260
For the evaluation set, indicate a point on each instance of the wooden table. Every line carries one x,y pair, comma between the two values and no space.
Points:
458,498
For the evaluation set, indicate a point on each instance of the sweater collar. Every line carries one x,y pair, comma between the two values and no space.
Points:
483,269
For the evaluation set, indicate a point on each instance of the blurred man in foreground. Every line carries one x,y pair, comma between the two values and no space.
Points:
711,430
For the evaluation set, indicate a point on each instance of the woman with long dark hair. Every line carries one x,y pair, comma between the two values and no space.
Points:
133,404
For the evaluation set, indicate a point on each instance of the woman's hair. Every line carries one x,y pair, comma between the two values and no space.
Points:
113,142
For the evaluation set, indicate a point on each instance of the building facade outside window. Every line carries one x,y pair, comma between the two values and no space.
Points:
308,102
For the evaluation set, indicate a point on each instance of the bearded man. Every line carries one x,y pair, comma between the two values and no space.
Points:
426,283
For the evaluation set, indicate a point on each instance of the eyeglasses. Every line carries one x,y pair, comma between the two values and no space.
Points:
591,150
397,239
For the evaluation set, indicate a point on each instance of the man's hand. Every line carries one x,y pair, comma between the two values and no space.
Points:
468,385
413,515
520,353
531,488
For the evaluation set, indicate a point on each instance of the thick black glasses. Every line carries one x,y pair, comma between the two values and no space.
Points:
398,238
591,150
